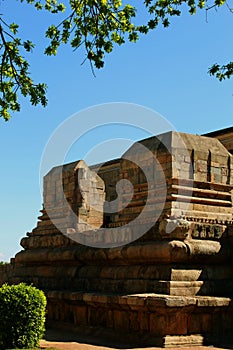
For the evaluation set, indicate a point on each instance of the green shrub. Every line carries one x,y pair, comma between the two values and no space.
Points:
22,316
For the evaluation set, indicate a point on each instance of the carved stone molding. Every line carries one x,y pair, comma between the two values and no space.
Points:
207,231
174,229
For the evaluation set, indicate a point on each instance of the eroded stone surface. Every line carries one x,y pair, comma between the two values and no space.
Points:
173,285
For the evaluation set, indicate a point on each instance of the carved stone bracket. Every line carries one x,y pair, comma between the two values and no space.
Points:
205,231
174,229
182,229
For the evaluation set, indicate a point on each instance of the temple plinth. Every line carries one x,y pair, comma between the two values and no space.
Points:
140,246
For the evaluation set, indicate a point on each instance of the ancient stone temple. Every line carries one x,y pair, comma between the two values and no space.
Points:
141,246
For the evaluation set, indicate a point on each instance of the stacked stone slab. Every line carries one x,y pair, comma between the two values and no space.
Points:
173,284
198,177
69,192
225,136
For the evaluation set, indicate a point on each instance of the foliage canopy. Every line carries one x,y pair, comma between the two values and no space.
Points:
22,316
98,25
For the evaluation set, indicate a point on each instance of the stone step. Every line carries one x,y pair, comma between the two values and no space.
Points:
151,319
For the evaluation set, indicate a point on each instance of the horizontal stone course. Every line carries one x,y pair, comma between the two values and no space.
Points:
129,313
169,282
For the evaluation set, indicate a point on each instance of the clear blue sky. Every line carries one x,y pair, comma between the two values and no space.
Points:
165,71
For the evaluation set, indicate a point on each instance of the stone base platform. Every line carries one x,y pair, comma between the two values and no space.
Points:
145,319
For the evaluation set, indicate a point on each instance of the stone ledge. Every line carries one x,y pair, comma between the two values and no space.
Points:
183,341
148,252
141,300
152,319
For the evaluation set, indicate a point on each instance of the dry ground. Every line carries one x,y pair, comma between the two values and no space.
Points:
64,340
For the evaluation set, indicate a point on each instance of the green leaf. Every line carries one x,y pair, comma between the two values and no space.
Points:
220,2
38,6
108,47
28,45
61,7
201,4
214,69
166,23
133,37
14,28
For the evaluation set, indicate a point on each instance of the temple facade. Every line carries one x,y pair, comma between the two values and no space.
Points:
140,247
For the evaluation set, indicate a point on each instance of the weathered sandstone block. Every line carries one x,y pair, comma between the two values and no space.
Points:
162,218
